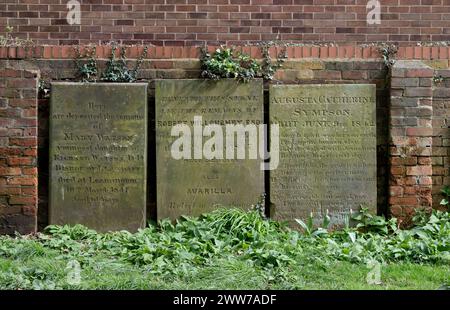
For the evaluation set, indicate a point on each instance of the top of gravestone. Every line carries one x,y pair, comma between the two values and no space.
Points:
209,80
98,83
320,85
203,79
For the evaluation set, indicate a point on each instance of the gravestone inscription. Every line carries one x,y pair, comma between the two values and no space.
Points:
206,172
98,159
327,151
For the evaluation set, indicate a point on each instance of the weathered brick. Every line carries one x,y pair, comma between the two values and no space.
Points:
23,141
11,190
327,75
4,171
30,171
418,92
22,181
21,161
419,170
397,170
354,75
425,181
402,82
396,191
441,92
424,160
21,200
403,161
404,102
402,201
421,132
422,72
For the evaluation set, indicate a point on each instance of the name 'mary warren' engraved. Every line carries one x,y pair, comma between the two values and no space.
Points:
98,155
327,151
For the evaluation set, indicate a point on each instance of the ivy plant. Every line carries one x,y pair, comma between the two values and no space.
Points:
227,62
388,53
116,69
87,70
268,67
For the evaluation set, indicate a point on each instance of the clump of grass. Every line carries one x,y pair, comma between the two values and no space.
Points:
194,242
190,246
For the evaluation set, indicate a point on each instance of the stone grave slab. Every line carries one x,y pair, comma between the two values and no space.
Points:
98,155
198,183
327,151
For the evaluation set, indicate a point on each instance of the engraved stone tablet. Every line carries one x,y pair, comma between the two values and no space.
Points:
198,182
327,151
98,137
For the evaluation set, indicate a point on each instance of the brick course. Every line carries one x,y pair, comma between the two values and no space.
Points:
345,51
195,22
412,117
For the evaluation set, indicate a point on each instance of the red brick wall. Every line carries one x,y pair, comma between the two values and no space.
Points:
411,134
420,135
412,121
193,22
441,135
18,149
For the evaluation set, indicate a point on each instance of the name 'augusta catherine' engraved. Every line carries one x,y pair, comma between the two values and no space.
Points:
323,99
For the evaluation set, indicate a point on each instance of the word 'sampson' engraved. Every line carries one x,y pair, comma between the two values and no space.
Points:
327,150
98,155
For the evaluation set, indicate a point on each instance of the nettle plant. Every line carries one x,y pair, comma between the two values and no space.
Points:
116,68
227,62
